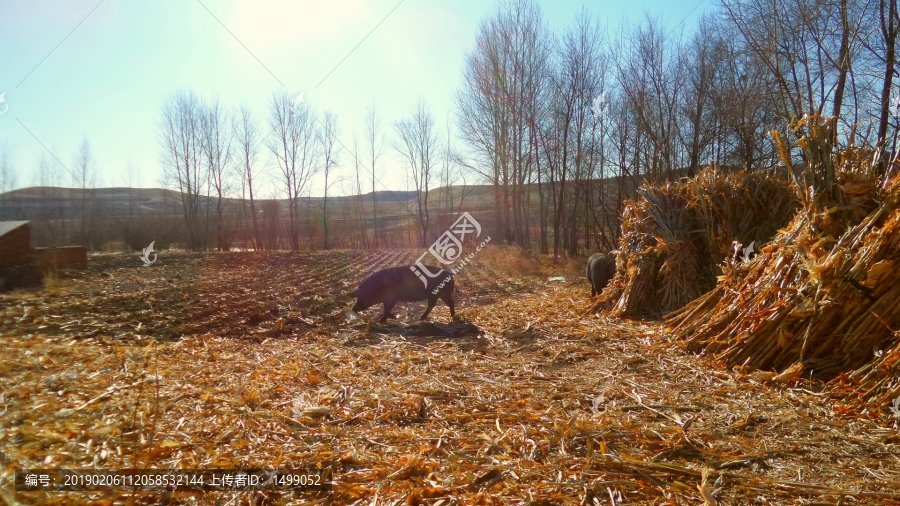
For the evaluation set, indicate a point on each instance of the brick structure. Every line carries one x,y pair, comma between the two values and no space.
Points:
17,267
15,243
66,257
21,265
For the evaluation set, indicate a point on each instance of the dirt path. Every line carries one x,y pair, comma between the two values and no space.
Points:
248,361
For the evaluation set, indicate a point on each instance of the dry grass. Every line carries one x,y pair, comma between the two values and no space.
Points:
52,283
113,247
509,260
514,261
524,401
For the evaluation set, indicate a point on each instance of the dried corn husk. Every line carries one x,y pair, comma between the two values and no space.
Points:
820,298
676,236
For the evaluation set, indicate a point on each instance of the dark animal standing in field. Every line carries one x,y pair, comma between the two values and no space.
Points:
600,269
395,284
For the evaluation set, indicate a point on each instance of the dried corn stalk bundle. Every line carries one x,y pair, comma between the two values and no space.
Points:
678,256
639,270
821,297
676,236
743,206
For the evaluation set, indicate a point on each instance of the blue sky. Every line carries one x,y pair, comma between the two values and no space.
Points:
106,81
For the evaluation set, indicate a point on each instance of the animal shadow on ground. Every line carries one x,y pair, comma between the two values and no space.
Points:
432,329
421,332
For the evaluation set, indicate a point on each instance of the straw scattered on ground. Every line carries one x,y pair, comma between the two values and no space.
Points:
247,360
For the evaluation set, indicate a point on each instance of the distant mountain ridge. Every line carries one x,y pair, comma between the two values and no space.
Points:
26,203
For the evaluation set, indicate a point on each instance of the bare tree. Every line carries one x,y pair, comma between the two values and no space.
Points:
500,105
83,178
328,151
50,220
246,134
744,110
182,159
358,202
888,22
293,144
702,60
133,227
271,223
419,148
570,134
449,172
8,175
216,140
375,144
806,45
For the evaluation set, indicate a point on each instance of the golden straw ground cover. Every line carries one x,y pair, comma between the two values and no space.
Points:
247,360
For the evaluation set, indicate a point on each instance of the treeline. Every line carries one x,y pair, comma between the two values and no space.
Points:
210,154
562,111
129,218
562,127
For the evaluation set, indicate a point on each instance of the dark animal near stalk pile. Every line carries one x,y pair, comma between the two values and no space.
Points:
408,284
600,269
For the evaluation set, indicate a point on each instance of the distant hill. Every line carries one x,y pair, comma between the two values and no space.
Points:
386,196
29,203
26,203
149,199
